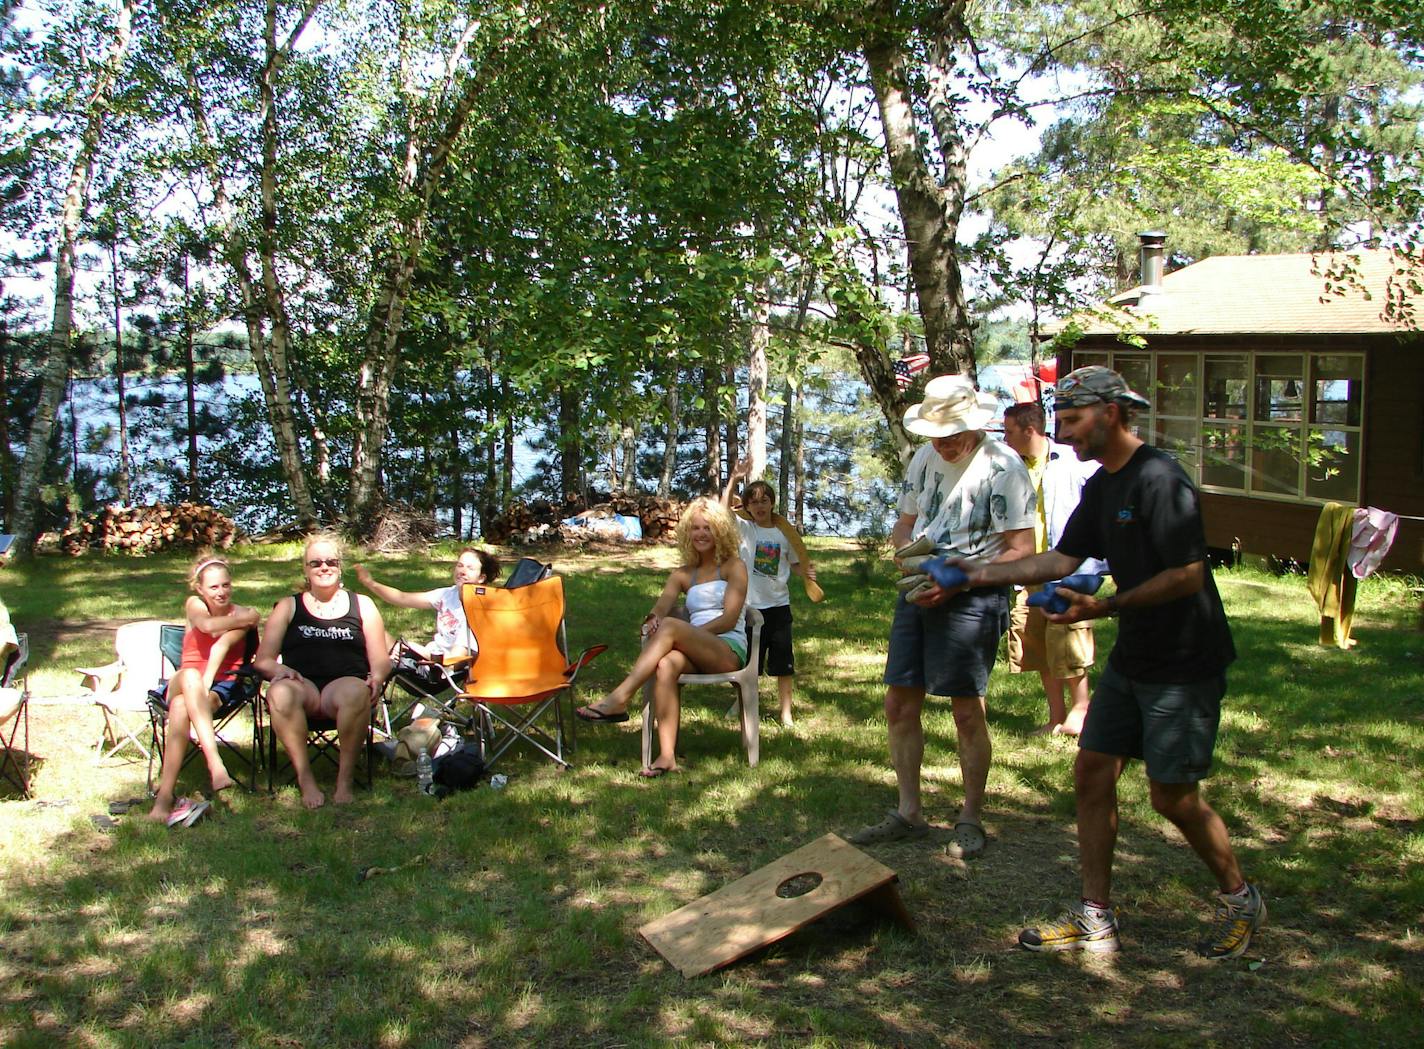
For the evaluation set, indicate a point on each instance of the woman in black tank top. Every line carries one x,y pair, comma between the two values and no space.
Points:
331,643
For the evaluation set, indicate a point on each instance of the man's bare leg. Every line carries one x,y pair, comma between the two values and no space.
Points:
1204,830
1053,692
903,707
1079,697
975,753
1095,779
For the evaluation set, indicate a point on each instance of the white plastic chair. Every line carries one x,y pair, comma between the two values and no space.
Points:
120,689
744,683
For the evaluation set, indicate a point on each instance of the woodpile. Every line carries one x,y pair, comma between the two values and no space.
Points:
145,529
540,522
401,528
659,517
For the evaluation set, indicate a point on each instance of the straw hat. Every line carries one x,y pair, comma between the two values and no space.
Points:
951,406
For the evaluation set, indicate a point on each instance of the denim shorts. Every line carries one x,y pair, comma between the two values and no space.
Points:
948,650
1172,727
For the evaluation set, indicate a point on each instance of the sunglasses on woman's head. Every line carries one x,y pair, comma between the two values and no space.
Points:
329,562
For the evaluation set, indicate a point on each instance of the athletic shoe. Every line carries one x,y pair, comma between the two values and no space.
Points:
1074,930
1235,923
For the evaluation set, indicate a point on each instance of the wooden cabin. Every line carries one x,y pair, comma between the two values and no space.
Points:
1276,389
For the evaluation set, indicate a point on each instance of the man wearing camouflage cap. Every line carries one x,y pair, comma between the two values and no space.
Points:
1159,698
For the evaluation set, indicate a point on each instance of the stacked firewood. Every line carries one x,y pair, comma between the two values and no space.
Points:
144,529
518,519
659,517
540,522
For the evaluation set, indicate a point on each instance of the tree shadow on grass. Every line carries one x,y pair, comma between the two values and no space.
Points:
511,917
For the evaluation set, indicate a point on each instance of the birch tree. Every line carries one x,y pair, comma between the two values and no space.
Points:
96,93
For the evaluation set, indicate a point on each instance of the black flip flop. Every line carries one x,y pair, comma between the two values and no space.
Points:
591,714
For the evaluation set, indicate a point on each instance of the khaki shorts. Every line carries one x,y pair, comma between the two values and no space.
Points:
1058,650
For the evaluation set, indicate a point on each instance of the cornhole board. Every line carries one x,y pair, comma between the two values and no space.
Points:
748,914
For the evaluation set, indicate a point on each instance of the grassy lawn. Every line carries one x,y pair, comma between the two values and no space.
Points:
513,916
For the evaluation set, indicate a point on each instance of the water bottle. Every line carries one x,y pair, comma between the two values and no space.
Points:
424,771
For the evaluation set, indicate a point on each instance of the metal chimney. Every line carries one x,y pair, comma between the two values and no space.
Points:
1154,252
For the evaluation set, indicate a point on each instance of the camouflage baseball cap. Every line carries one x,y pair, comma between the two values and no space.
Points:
1095,385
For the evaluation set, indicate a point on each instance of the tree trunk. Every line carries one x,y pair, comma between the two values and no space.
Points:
629,435
56,367
456,481
190,381
756,380
268,356
712,430
507,475
424,165
674,427
800,457
7,461
279,332
570,445
122,484
791,391
929,211
734,450
73,432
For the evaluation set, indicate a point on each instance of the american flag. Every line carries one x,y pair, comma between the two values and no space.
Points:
906,368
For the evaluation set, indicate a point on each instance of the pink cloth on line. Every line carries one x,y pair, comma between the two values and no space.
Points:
1370,539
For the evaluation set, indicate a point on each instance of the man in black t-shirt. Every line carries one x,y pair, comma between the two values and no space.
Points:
1159,698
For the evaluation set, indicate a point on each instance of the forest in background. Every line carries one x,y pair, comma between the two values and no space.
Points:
639,240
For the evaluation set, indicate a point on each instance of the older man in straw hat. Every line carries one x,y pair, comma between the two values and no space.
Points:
968,495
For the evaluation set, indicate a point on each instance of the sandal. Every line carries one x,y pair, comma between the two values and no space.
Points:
893,827
968,841
595,715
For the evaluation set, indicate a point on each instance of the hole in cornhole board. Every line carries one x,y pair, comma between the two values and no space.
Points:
772,903
798,885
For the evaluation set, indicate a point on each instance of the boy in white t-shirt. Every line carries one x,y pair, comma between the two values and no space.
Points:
770,558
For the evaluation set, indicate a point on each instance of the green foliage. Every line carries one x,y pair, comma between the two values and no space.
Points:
1237,127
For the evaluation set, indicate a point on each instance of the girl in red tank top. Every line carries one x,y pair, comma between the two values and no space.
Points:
213,648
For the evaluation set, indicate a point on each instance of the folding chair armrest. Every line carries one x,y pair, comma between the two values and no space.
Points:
453,662
101,679
585,657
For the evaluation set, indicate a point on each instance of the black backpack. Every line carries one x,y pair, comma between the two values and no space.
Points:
460,769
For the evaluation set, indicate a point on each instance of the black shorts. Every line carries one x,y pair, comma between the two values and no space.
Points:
1171,727
777,659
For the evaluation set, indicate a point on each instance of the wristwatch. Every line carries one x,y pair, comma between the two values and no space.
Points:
1110,605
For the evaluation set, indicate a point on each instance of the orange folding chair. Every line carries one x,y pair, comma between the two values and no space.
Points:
522,674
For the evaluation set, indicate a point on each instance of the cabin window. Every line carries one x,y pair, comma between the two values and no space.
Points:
1273,425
